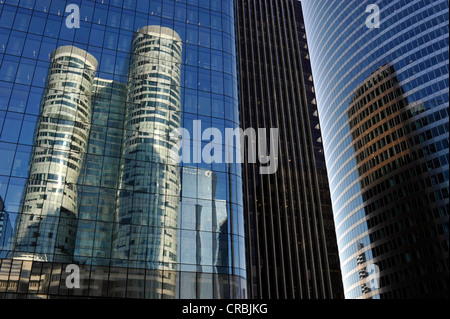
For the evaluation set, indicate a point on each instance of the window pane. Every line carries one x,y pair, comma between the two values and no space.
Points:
25,71
97,35
21,161
14,194
37,24
32,46
11,128
7,16
21,22
9,68
52,27
204,37
27,130
19,98
6,160
5,92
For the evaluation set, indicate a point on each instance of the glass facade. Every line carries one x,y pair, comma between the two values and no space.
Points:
86,174
5,228
383,101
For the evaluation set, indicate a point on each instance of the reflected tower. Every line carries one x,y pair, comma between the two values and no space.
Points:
99,176
46,228
387,150
204,227
147,208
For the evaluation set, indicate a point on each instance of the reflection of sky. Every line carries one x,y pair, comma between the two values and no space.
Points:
204,225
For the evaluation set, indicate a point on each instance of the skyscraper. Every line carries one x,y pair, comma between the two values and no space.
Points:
382,95
145,234
291,243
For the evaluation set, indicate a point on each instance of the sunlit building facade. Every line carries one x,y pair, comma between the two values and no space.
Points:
383,102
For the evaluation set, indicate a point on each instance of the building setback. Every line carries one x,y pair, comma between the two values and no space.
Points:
291,243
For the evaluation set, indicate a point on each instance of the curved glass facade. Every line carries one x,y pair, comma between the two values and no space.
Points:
383,101
86,113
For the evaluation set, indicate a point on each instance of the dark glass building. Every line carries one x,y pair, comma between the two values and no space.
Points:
89,96
383,100
291,241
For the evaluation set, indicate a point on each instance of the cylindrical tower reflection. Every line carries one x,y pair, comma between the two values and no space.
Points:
147,213
47,225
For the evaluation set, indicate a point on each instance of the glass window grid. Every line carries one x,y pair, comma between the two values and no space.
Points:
38,49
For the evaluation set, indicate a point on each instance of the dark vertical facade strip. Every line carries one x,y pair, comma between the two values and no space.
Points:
291,243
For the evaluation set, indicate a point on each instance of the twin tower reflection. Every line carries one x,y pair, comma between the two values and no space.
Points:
108,143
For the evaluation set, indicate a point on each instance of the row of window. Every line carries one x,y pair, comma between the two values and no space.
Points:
386,74
423,200
392,166
43,280
390,215
337,152
343,170
124,19
25,99
392,36
421,95
430,75
404,160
